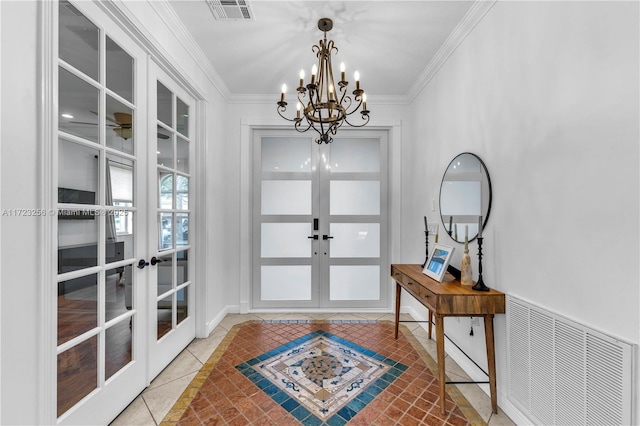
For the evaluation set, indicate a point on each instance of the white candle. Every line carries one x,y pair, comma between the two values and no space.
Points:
480,227
426,228
466,232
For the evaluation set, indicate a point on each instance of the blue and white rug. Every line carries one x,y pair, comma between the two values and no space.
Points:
321,378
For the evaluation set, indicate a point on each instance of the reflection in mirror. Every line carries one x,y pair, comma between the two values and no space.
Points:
465,195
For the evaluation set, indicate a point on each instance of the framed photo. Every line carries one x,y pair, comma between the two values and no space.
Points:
437,264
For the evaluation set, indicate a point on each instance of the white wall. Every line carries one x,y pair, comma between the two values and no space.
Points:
546,93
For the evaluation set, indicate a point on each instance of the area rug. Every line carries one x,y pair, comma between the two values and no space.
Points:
319,373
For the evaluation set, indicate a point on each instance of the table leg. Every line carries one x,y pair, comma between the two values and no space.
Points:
398,292
430,322
491,361
440,349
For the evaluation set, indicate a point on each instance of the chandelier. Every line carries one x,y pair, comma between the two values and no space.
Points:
320,106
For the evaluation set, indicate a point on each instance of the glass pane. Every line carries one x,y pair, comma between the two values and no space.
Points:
165,274
355,240
182,117
286,197
182,229
78,169
79,41
165,314
286,155
165,234
77,373
285,282
355,155
119,70
182,193
77,307
183,267
165,105
355,197
285,240
118,292
183,155
361,282
115,248
78,105
164,148
119,122
118,341
165,187
182,311
119,183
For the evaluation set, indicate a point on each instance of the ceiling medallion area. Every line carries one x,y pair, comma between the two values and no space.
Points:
320,105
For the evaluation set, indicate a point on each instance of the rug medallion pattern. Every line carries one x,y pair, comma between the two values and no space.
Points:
330,377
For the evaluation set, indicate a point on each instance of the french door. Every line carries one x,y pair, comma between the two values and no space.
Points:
172,324
124,294
319,221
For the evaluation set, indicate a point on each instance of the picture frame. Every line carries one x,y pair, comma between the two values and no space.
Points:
438,262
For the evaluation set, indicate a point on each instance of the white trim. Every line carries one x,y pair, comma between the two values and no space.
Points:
47,125
0,205
473,16
199,176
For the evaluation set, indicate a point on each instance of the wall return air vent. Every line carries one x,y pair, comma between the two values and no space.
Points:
231,10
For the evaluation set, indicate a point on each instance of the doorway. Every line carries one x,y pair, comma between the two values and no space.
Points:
320,220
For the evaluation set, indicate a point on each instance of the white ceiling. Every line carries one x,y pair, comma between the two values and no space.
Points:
390,43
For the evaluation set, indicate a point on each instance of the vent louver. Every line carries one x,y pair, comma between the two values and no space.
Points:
231,10
564,373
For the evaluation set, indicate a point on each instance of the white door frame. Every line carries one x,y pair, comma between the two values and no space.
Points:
246,203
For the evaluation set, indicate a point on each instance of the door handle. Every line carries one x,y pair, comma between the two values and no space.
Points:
313,237
154,261
326,237
142,263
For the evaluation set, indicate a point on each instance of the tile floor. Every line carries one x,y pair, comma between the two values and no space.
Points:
151,406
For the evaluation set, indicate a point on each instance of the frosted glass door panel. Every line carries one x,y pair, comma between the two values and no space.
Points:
286,197
469,204
361,282
356,155
355,197
285,240
286,282
286,155
355,240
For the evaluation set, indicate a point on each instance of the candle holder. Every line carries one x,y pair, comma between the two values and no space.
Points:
479,286
426,245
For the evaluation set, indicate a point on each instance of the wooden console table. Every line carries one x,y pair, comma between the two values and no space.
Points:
450,298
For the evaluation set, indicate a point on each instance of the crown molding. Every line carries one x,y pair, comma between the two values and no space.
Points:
273,98
472,18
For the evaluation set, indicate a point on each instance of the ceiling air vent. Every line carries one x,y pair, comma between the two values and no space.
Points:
230,10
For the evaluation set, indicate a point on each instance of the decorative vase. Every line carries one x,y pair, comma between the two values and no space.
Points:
466,275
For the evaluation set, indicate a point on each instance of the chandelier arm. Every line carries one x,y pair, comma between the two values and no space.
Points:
359,125
281,109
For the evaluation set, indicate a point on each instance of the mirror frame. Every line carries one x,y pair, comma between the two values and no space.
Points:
486,216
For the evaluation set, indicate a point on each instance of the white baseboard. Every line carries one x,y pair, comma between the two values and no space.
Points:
211,325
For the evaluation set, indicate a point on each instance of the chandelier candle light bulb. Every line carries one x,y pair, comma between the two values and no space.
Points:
284,90
325,106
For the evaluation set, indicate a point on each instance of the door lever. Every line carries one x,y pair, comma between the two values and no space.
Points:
313,237
326,237
142,263
154,260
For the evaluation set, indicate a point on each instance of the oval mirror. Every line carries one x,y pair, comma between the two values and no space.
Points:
465,195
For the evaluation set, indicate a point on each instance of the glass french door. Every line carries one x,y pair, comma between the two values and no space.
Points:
170,215
101,316
320,221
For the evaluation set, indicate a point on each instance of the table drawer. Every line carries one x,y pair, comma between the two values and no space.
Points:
427,297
